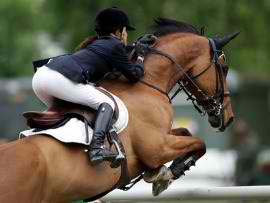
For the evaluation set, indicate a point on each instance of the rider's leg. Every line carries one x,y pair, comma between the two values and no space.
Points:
49,84
102,124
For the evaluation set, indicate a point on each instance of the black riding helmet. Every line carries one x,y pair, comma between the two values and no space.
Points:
111,19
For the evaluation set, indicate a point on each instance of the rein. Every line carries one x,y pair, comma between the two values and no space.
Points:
213,105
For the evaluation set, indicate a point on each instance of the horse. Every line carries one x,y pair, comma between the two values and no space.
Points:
43,169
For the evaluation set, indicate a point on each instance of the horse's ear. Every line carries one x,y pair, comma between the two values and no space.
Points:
221,42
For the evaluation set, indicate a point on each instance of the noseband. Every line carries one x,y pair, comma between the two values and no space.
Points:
212,105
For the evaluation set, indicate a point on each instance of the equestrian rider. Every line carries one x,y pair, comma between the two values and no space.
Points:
72,77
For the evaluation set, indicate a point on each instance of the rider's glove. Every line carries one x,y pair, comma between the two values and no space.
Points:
140,49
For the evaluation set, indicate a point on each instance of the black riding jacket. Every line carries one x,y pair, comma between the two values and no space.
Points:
100,57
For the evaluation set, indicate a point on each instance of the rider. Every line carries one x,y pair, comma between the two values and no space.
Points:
72,77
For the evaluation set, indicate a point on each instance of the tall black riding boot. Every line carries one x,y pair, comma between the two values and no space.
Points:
97,152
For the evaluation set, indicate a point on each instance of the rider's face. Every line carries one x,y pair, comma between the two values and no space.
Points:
123,36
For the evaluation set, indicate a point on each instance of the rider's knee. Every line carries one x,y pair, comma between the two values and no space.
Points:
110,104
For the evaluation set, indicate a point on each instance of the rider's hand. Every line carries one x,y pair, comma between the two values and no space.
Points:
140,49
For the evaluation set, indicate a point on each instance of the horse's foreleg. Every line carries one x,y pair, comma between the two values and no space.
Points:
159,148
199,148
181,147
180,143
191,149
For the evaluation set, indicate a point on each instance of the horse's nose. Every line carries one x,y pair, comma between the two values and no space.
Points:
214,121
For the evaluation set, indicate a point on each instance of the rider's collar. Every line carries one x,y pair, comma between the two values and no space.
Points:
114,36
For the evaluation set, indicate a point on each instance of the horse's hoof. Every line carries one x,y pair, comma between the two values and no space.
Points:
159,186
154,175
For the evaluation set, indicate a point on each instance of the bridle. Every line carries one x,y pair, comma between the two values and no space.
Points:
203,103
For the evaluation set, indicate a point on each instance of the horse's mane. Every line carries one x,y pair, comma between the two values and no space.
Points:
164,26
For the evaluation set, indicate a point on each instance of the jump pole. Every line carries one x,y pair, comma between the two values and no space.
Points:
194,193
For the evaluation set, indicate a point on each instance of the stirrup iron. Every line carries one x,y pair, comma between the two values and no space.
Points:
114,140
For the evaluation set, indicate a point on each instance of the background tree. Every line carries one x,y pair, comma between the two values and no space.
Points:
67,22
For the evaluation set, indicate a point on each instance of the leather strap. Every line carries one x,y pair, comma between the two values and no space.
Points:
124,177
116,110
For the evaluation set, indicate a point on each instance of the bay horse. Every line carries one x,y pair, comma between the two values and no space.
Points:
42,169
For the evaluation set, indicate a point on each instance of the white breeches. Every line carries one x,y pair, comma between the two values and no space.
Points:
49,84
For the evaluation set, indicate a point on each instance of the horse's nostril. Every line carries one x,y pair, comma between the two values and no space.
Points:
214,121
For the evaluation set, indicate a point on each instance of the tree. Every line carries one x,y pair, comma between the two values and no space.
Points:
68,22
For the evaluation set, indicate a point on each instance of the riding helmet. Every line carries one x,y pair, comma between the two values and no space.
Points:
110,19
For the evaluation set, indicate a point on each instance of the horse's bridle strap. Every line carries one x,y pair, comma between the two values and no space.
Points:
156,88
214,103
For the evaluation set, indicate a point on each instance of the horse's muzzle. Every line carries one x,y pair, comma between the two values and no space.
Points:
214,121
217,122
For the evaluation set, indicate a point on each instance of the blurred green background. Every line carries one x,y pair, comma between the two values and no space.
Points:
26,26
34,29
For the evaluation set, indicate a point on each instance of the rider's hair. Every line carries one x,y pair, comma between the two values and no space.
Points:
86,42
106,32
91,39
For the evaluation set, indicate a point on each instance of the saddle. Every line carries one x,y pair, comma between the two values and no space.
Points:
62,111
57,115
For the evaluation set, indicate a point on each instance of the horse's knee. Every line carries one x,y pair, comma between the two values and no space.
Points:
181,132
158,159
201,147
153,164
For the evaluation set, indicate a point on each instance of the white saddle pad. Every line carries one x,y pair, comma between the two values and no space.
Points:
74,130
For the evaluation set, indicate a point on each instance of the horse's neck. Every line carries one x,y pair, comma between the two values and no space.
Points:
163,72
157,72
151,105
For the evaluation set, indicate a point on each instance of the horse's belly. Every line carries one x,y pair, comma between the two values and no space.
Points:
70,175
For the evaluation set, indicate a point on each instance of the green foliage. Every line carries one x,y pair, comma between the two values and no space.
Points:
17,34
68,22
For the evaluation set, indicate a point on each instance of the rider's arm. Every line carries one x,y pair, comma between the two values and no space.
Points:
133,72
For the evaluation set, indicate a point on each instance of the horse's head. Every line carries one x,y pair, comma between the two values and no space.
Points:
208,83
199,67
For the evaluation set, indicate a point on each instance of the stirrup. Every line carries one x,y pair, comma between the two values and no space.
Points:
118,158
102,154
97,155
114,140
